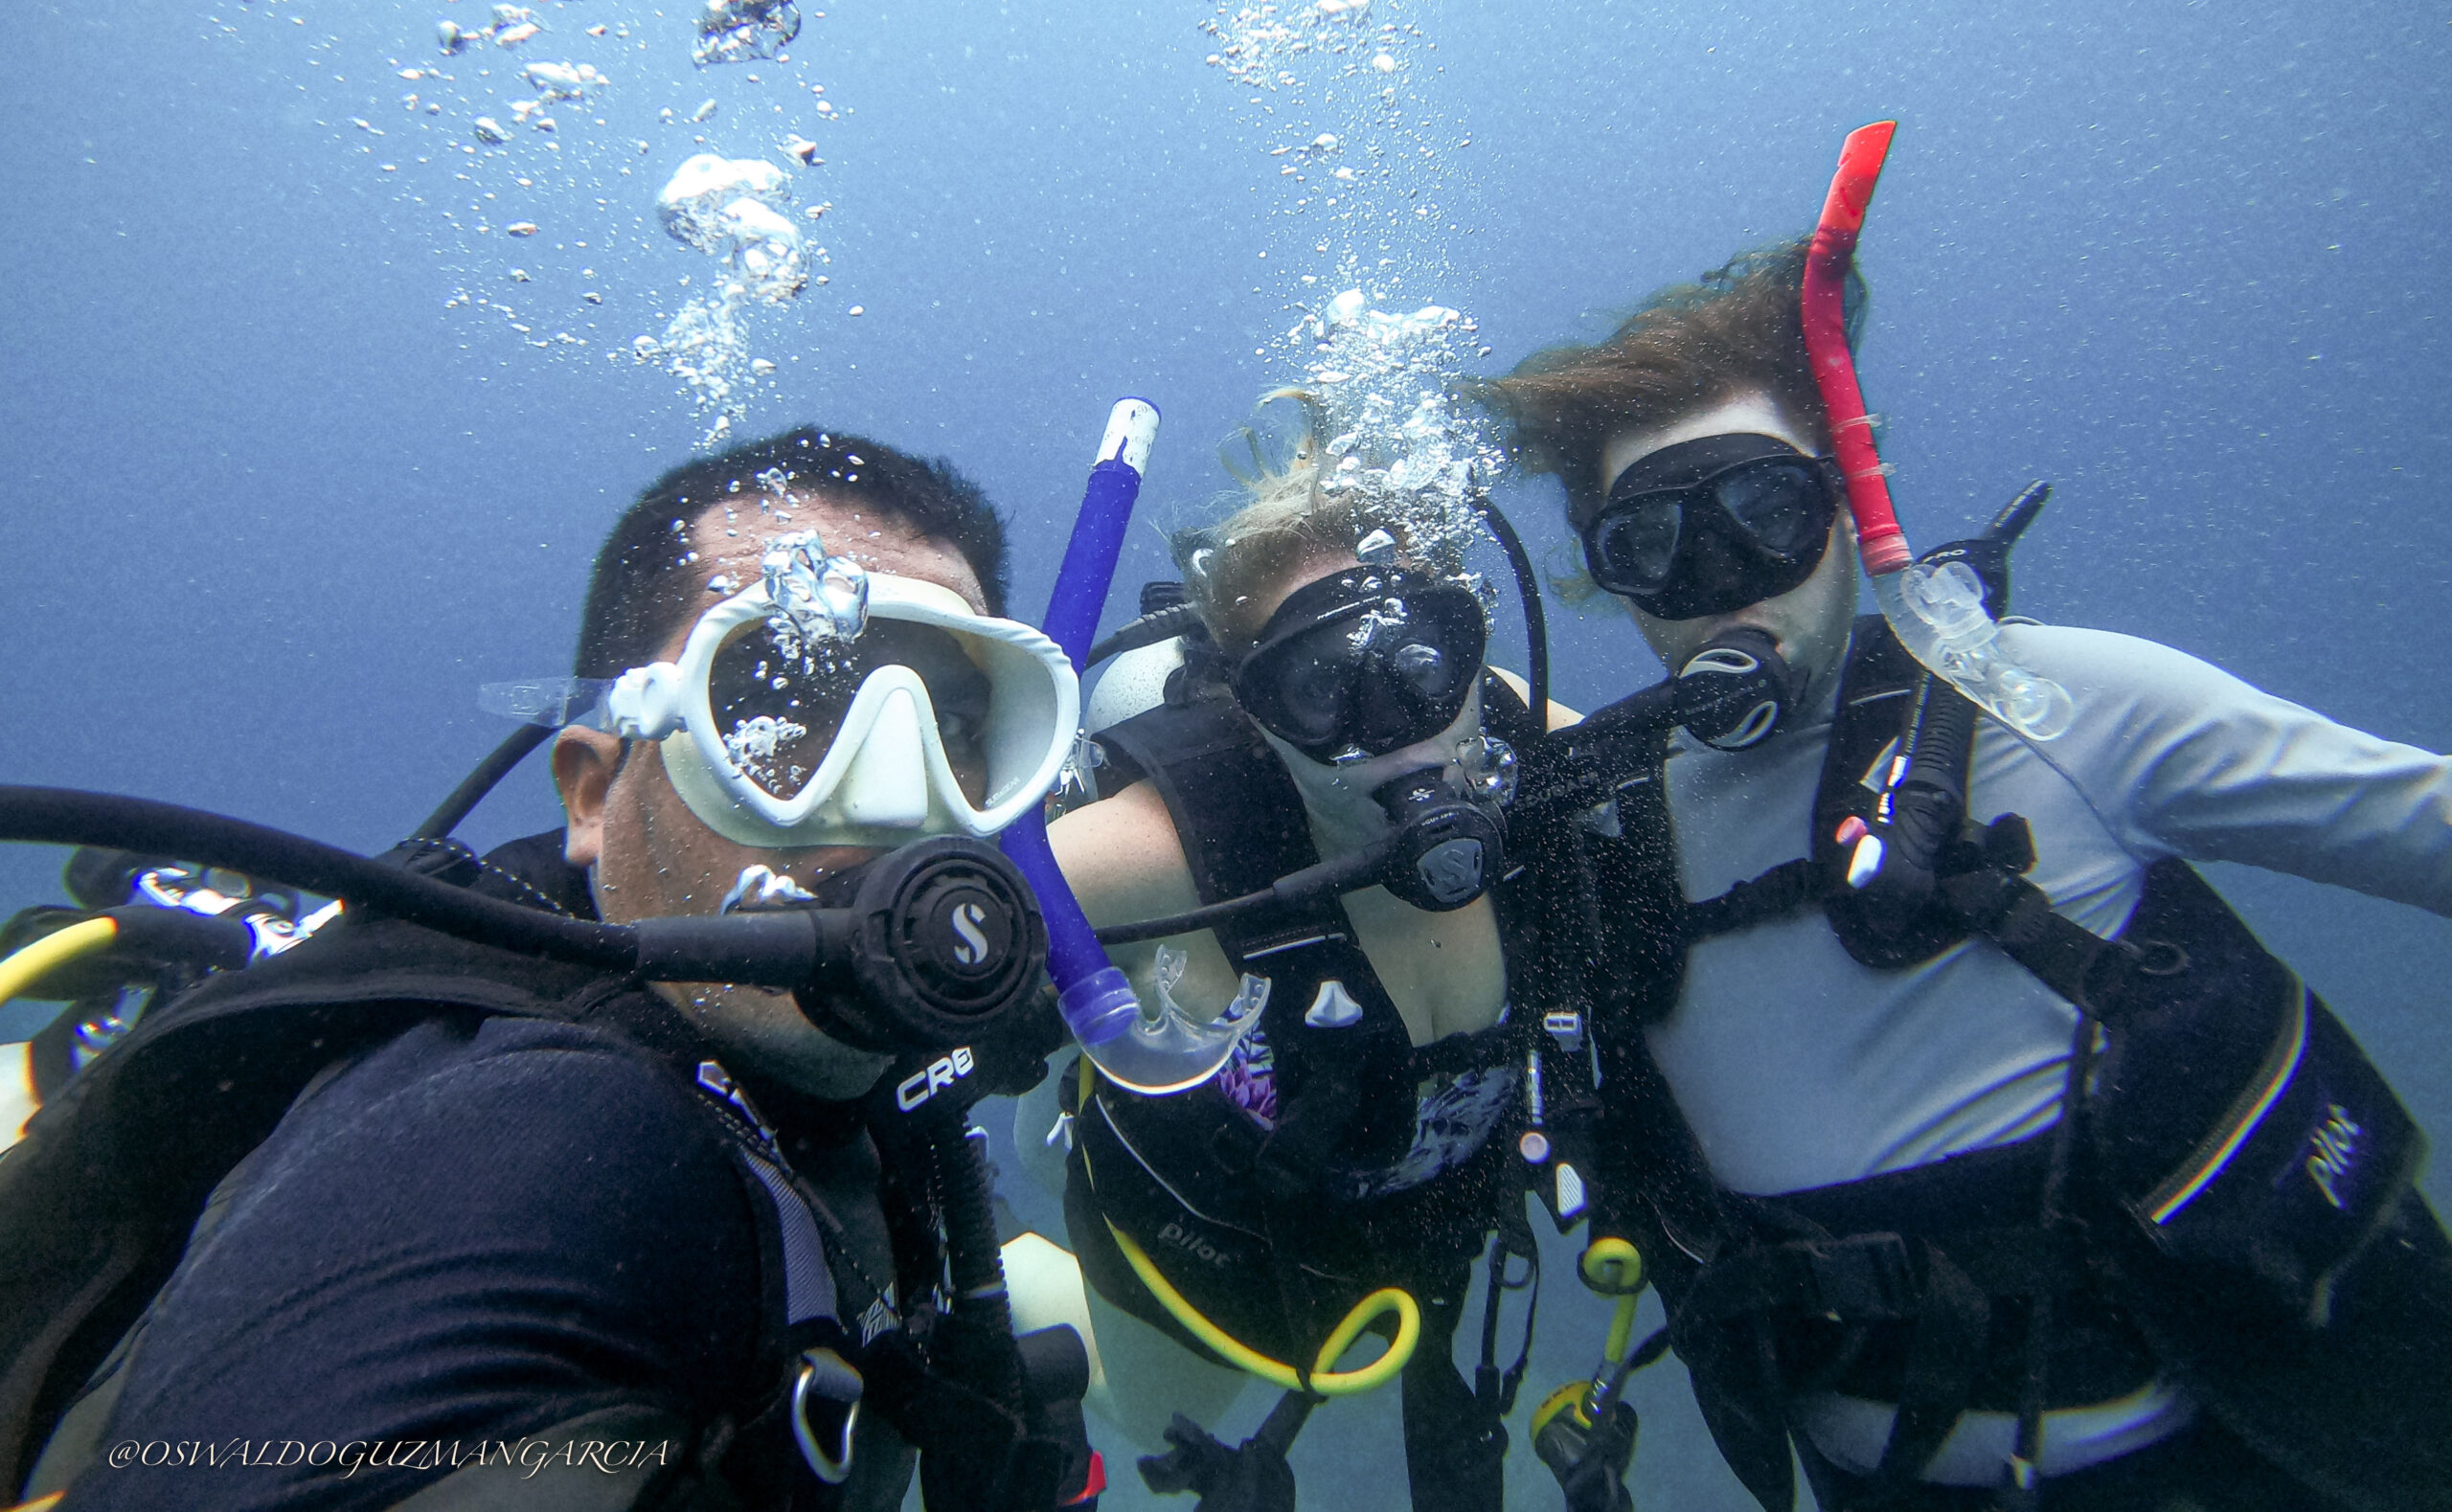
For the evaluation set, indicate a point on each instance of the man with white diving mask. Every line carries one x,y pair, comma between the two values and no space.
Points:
523,1199
835,706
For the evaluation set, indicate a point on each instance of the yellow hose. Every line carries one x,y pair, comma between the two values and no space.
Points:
1325,1381
23,970
1614,1268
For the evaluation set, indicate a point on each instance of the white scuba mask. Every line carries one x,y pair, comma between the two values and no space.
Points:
830,706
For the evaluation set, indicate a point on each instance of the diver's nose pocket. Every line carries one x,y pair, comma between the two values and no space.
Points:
888,782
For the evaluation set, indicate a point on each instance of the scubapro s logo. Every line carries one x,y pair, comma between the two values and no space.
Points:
970,944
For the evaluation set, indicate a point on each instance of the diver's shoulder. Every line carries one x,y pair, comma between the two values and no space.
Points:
2108,662
560,1095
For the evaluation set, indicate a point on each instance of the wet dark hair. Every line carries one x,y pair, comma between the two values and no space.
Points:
645,587
1690,346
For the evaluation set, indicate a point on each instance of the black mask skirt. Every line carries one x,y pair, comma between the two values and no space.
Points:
1711,525
1364,662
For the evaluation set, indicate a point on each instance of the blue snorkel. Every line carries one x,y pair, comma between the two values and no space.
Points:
1152,1054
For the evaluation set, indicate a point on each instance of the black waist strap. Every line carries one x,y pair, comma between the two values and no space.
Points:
1880,1277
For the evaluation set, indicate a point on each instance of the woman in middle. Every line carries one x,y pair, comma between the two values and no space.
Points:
1371,1131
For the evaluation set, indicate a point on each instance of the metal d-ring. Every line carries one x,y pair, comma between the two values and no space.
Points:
831,1379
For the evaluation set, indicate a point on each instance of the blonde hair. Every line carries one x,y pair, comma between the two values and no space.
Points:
1284,524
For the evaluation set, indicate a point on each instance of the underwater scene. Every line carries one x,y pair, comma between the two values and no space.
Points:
1359,754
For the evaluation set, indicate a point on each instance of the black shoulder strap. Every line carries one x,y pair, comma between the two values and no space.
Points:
1869,734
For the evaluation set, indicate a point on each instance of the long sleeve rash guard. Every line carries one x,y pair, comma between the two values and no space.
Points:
1798,1068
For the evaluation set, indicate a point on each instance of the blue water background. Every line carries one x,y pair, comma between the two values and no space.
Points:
272,510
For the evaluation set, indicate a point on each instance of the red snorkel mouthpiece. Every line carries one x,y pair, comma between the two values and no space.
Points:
1879,540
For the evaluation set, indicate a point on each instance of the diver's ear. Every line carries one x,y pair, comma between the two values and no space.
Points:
585,762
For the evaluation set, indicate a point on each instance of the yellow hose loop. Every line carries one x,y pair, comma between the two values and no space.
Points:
1613,1268
21,972
1325,1381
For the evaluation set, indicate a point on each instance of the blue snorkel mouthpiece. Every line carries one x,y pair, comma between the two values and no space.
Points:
1169,1051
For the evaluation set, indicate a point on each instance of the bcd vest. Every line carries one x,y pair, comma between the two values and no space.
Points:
1345,1066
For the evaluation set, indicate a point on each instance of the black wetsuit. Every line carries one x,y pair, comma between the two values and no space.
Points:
475,1232
507,1201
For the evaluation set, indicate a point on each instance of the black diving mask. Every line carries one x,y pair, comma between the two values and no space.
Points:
1711,525
1364,662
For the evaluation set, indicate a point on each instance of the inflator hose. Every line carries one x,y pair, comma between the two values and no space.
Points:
1325,1381
487,776
25,968
67,817
1528,588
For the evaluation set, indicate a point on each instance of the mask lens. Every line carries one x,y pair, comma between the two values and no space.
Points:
1631,547
1783,505
778,700
1423,668
1313,689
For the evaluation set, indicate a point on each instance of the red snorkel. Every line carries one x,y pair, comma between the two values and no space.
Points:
1879,540
1937,613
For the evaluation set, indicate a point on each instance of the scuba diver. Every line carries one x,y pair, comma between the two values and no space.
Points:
1983,1153
1323,694
402,1216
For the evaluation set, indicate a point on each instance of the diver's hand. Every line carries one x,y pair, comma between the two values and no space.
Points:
1252,1478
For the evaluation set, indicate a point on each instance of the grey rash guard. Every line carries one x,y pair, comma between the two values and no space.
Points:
1797,1068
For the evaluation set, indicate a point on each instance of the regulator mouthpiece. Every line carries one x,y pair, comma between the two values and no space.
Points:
1447,847
1736,693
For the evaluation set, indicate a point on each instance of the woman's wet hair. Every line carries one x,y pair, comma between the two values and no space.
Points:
646,585
1283,524
1735,331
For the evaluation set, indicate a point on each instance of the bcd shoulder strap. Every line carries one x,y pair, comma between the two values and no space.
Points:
98,1201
